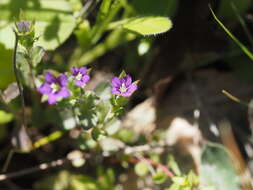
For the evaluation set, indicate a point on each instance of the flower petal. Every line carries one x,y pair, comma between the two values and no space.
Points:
126,94
83,70
64,93
45,88
132,88
63,80
50,78
85,78
116,91
116,82
74,70
79,83
51,99
128,80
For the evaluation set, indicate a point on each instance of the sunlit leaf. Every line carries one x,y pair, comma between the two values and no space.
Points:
54,20
141,169
6,71
37,54
148,25
159,178
65,180
5,117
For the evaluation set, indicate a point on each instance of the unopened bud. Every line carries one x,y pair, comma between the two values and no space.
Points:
24,26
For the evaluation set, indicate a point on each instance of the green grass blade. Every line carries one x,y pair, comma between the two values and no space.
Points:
242,46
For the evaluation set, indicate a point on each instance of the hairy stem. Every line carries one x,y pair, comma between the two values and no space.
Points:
14,58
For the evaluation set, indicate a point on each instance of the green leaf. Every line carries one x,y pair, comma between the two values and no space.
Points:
216,169
83,34
179,180
65,180
122,74
174,187
6,71
141,169
173,165
54,21
104,10
37,54
159,178
5,117
127,135
148,25
97,134
103,90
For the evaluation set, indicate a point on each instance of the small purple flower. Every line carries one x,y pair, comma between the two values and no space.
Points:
24,26
55,87
81,76
123,86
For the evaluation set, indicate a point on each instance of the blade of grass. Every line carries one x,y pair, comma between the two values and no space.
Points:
242,46
242,22
235,99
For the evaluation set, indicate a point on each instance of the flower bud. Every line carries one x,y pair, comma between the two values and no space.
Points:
24,26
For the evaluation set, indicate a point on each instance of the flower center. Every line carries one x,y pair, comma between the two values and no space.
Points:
55,87
79,76
123,88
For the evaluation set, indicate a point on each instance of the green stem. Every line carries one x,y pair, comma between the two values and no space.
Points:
7,162
14,58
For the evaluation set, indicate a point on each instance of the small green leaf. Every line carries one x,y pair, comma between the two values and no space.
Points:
37,54
173,165
174,187
179,180
97,133
126,135
122,74
5,117
103,90
159,178
83,34
103,10
141,169
148,25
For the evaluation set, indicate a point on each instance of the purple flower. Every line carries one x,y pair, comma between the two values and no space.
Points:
55,87
81,76
24,26
123,86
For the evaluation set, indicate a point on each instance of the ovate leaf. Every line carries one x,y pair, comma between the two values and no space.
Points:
148,25
5,117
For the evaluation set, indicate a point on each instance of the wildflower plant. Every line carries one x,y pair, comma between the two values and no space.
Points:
88,111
